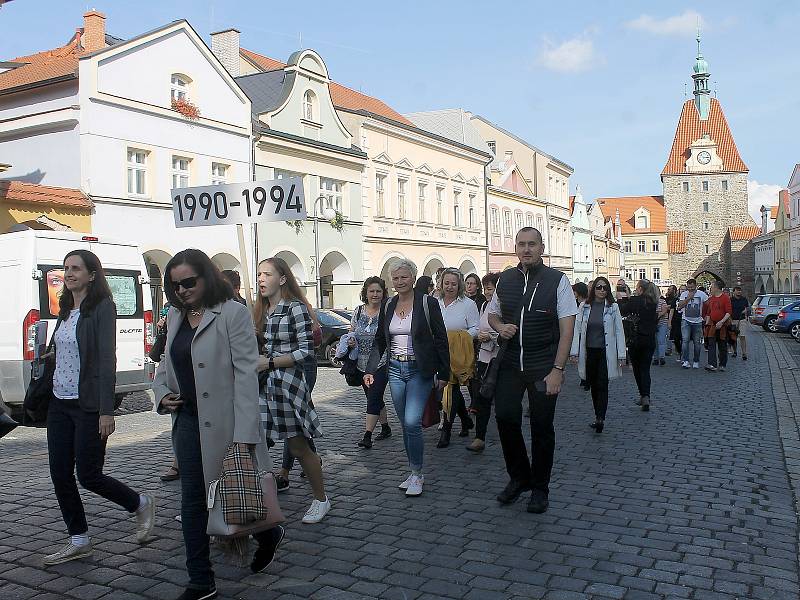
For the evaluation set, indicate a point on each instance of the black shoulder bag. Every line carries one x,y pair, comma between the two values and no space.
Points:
40,389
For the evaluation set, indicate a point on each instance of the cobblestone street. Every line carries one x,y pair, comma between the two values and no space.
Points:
696,499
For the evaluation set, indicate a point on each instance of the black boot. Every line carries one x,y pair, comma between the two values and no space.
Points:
466,425
366,441
386,432
444,438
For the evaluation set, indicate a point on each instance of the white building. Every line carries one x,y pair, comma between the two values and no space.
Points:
582,240
97,115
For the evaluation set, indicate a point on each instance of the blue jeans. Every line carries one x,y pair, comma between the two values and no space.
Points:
692,332
661,338
410,391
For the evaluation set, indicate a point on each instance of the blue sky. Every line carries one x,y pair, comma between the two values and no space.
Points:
598,84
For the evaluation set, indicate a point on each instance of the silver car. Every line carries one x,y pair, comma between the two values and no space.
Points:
766,308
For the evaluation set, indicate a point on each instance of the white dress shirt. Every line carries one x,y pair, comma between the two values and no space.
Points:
461,313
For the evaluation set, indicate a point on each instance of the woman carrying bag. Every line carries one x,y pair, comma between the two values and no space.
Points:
487,350
598,344
80,415
641,312
207,382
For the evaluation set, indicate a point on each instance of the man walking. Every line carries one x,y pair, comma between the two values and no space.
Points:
691,304
740,308
533,309
717,312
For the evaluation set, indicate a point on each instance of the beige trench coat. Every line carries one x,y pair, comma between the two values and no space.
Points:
225,357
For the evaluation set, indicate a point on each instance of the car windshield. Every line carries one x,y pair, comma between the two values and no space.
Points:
331,319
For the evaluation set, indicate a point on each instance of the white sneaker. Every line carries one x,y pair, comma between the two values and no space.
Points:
145,519
67,553
406,483
415,485
695,365
685,364
317,512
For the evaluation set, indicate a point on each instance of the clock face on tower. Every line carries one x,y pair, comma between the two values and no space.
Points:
704,157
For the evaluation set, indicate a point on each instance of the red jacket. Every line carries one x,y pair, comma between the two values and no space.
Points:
717,307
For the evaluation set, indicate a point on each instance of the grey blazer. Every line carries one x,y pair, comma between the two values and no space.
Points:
225,358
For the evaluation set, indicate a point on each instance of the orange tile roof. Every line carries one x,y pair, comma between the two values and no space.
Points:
691,128
676,242
20,191
343,97
740,233
627,205
43,66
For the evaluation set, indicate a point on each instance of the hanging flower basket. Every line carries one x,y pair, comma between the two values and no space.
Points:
337,222
186,108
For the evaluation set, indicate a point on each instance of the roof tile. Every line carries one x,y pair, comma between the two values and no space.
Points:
691,128
21,191
676,242
740,233
43,66
627,205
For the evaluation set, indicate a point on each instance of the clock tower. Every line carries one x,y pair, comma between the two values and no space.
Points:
705,194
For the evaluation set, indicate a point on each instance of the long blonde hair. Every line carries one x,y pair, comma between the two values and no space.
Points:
291,290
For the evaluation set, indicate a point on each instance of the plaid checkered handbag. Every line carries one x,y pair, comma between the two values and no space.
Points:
243,500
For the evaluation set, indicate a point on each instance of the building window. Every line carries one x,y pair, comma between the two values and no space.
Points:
379,205
180,172
472,211
219,173
706,207
724,185
179,87
422,191
628,246
642,273
654,245
456,209
507,223
656,273
707,249
309,108
529,220
137,172
401,198
520,221
642,245
540,224
495,221
492,147
332,190
685,186
641,222
705,226
440,205
705,186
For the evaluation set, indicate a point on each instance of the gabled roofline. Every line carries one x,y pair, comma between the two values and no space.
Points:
124,43
525,143
38,84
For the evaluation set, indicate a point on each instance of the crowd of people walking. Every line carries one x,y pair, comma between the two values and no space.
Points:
234,377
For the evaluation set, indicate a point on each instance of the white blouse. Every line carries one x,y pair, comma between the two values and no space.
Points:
68,359
400,334
461,314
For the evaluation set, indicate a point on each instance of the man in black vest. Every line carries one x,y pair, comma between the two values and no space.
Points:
534,310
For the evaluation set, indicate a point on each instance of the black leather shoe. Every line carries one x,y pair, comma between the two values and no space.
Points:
193,594
444,438
538,502
268,543
366,441
512,491
386,432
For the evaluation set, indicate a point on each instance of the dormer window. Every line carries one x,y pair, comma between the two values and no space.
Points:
309,105
179,87
642,221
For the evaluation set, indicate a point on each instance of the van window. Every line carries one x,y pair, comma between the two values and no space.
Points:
125,288
758,301
775,301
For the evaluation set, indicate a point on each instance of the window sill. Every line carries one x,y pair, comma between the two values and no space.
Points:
311,123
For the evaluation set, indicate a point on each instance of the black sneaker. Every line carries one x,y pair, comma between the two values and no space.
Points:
386,432
194,594
282,483
268,543
538,502
512,491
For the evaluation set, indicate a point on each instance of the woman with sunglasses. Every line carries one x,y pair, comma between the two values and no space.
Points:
598,345
207,382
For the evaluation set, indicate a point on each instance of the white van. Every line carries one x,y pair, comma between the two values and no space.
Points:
31,276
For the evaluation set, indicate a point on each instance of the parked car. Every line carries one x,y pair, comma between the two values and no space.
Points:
334,326
789,319
766,308
343,312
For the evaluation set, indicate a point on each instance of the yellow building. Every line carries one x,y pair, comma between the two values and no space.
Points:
43,207
644,237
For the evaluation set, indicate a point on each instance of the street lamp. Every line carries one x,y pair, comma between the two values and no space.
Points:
327,214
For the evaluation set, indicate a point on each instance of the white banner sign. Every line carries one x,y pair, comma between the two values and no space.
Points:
232,203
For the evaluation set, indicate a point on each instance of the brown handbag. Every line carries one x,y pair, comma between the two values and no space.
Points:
430,416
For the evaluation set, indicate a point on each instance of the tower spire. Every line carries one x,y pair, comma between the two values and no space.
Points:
702,95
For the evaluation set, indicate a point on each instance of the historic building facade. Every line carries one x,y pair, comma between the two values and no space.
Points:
606,242
583,256
705,194
793,192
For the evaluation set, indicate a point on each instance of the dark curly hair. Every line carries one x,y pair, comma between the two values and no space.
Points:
368,282
217,291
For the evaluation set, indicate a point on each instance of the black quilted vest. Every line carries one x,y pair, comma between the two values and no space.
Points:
533,349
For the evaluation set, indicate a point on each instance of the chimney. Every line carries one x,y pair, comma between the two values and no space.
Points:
225,46
764,219
94,31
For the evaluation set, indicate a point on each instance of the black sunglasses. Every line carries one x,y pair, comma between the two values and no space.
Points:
186,284
602,286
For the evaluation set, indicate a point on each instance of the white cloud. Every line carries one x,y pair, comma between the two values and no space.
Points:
683,24
761,194
571,56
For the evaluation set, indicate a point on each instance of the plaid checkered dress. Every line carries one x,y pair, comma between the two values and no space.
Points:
286,407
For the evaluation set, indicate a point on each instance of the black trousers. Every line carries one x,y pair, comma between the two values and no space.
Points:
481,403
597,377
641,355
374,393
458,407
74,445
717,347
511,385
